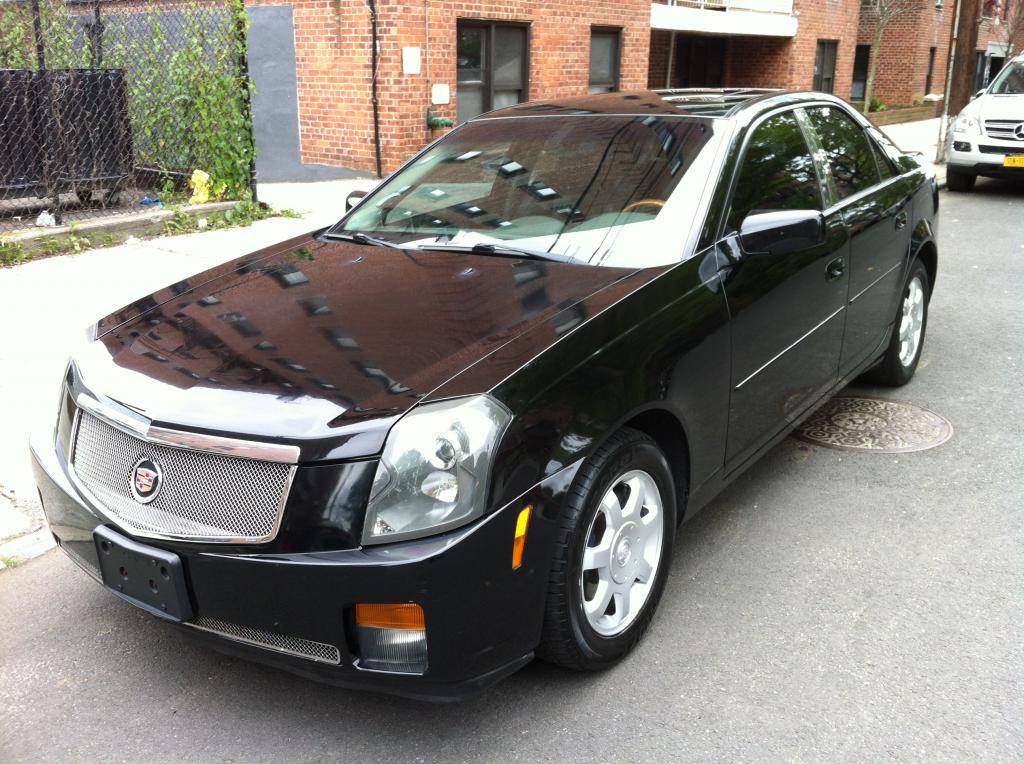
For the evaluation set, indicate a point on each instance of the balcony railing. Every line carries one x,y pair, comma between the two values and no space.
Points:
780,7
758,18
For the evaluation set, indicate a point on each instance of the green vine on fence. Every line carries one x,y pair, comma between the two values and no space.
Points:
188,96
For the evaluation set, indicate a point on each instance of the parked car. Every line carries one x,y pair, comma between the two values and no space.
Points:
988,135
460,427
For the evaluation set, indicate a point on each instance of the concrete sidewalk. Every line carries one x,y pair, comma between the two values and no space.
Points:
922,136
45,306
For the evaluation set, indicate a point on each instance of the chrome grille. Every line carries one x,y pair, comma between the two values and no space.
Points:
303,648
203,496
1002,128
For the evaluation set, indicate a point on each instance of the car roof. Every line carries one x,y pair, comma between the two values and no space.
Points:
697,102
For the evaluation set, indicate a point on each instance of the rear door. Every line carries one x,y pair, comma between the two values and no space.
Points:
873,200
785,310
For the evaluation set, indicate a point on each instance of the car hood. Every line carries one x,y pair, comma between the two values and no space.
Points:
323,344
988,106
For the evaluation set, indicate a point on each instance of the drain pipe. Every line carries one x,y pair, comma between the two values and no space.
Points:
374,62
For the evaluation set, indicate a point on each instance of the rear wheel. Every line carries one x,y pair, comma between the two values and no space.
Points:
612,556
959,181
904,352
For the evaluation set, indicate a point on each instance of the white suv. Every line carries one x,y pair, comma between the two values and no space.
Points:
988,136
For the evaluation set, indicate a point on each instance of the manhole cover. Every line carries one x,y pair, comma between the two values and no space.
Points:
874,424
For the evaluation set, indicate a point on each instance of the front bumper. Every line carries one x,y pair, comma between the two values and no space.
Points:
483,619
981,155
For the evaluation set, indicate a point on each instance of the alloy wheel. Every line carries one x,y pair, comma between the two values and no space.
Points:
622,553
911,321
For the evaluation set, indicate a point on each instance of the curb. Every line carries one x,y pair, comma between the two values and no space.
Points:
28,535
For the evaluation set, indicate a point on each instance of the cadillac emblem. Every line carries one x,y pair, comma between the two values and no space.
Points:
146,480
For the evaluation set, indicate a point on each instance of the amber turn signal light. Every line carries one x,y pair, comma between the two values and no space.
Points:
405,615
519,542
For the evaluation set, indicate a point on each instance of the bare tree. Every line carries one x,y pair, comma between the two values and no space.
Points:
884,12
1014,24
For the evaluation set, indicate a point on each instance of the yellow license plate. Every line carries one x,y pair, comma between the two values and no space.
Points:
1017,161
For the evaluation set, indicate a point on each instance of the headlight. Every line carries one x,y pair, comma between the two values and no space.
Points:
433,474
965,123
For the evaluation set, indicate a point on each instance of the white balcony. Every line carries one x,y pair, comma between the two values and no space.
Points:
764,18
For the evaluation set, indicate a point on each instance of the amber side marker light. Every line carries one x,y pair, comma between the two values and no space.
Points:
392,637
519,542
405,615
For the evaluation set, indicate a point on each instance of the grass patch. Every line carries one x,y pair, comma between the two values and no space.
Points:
74,241
244,213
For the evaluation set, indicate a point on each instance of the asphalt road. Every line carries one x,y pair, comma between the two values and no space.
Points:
829,606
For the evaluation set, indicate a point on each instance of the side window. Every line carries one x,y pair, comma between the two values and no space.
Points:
847,150
884,152
882,161
777,172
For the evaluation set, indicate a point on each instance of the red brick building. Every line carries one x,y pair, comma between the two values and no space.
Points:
792,44
914,58
448,60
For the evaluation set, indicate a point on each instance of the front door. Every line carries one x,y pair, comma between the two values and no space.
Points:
825,66
786,310
699,61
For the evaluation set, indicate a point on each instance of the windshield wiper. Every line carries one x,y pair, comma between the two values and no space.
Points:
501,250
362,238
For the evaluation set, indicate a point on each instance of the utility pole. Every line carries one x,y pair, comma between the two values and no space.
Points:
962,84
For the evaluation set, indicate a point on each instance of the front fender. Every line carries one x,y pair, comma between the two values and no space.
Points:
664,347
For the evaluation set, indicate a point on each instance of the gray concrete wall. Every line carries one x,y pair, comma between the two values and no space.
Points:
275,104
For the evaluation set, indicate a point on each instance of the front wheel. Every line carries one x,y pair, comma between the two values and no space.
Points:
904,352
613,554
959,181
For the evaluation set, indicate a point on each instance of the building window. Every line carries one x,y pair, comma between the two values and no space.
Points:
861,59
605,54
825,66
491,67
931,71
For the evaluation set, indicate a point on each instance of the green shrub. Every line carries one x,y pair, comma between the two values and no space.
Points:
188,99
11,252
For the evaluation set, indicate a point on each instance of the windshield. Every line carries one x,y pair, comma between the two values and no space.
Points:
1010,81
606,190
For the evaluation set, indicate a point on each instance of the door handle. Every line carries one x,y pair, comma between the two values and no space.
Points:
835,269
901,221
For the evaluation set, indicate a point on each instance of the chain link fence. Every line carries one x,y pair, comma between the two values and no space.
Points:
108,106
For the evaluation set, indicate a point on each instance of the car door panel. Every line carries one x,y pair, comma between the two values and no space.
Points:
785,309
872,200
880,234
787,329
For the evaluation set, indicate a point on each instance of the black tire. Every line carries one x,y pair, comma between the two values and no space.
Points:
959,181
568,639
891,370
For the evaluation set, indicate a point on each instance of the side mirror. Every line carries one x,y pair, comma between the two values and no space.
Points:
353,199
777,233
980,93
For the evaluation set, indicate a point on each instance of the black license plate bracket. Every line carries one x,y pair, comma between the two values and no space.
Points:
147,577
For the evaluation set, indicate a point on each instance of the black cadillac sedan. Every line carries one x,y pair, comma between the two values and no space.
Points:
459,428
